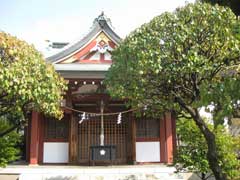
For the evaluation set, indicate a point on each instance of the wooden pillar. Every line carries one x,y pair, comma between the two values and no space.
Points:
41,125
34,139
73,130
73,133
169,138
129,139
133,124
163,158
68,97
174,134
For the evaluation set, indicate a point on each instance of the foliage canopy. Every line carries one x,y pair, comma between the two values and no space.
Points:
233,4
182,61
27,81
174,53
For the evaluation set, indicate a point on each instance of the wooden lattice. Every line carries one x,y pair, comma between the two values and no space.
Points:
148,127
56,129
115,134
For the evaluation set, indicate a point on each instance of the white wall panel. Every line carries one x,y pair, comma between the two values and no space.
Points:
55,152
148,151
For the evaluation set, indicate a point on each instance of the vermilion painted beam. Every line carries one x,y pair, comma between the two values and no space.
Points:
174,133
169,138
34,140
80,53
85,50
41,126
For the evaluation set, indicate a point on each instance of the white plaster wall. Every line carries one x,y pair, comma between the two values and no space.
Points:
147,151
55,152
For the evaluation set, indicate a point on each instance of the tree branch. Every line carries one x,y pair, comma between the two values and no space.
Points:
10,130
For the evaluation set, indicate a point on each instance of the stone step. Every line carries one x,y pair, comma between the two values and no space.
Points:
156,172
9,176
97,177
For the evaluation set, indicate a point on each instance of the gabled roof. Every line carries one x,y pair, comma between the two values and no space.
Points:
100,24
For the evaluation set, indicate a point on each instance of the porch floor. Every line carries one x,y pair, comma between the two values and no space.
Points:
128,172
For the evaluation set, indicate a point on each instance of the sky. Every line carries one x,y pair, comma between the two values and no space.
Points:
36,21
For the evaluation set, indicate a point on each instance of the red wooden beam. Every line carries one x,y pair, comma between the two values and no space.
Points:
85,50
169,138
174,134
34,141
41,126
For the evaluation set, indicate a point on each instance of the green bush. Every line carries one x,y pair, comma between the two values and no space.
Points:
192,153
8,145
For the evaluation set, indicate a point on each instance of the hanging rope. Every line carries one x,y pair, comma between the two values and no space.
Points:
104,114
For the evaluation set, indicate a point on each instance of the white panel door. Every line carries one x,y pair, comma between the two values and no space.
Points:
55,152
148,151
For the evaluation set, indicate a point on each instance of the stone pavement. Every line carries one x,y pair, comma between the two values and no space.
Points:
136,172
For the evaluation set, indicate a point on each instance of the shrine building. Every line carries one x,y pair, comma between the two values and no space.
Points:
93,130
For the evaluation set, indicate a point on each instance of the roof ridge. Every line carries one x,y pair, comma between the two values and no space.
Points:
101,23
101,20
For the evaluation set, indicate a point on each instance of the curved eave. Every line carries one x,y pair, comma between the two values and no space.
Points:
84,71
80,44
82,67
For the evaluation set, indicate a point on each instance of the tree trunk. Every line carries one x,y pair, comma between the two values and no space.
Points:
212,155
209,136
203,176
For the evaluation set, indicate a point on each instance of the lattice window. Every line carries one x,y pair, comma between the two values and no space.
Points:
56,129
148,127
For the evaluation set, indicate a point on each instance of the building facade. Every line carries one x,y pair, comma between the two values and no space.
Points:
96,129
